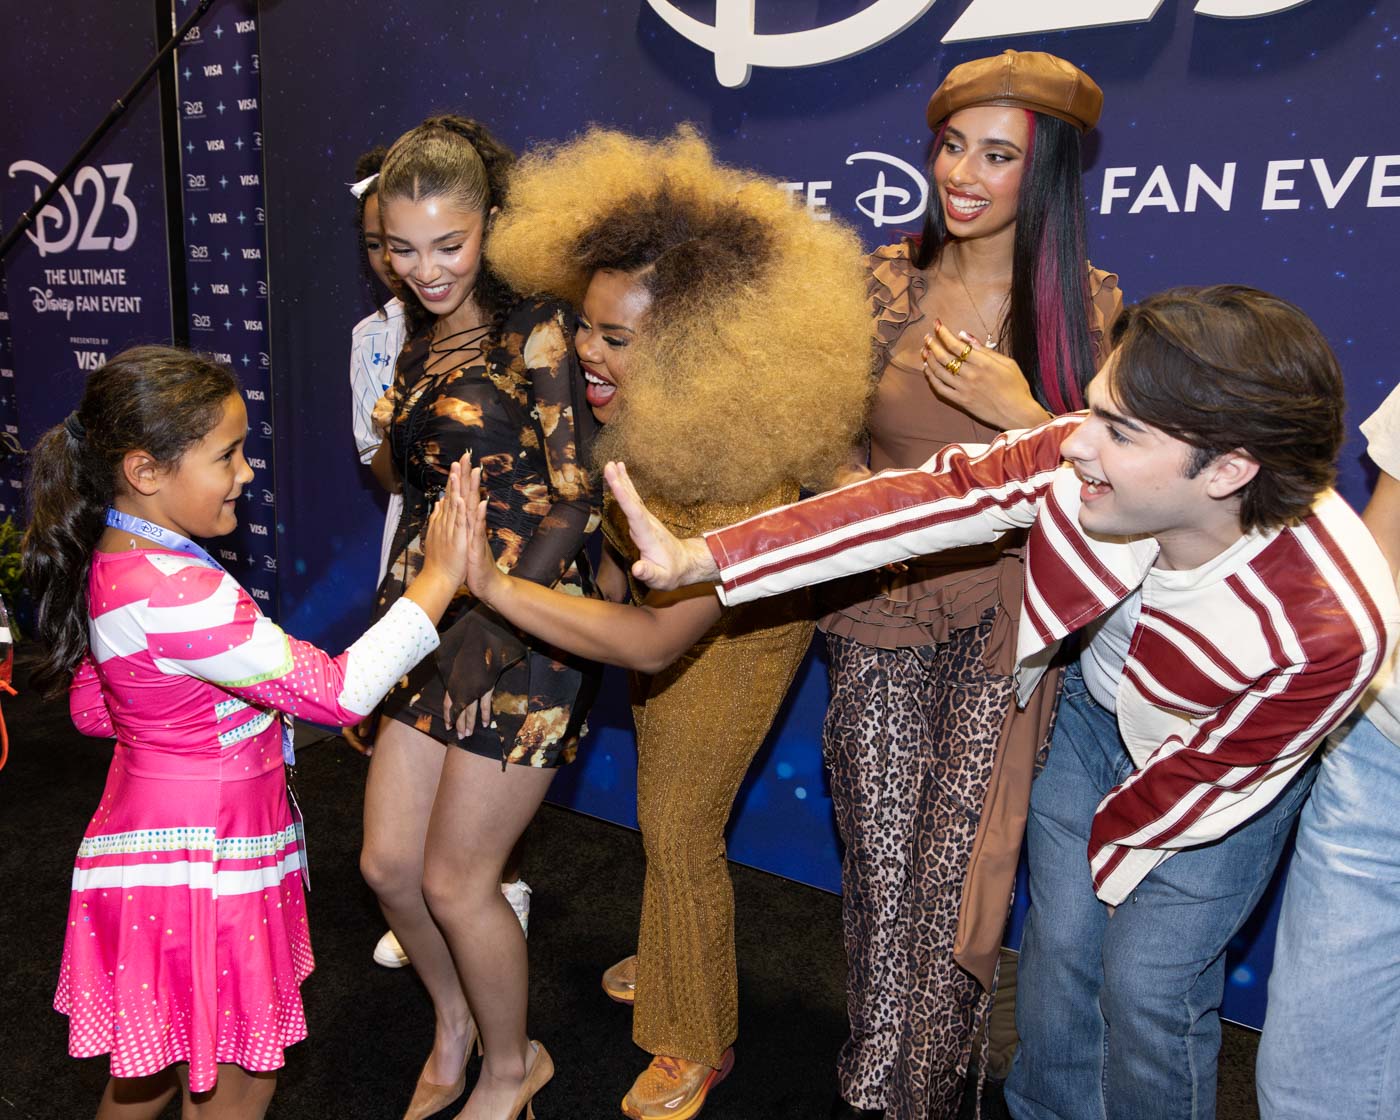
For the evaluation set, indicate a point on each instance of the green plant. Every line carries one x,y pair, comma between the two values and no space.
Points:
11,574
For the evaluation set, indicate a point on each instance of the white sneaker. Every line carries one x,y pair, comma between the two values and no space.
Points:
389,952
518,895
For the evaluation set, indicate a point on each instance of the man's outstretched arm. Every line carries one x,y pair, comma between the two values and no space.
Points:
963,495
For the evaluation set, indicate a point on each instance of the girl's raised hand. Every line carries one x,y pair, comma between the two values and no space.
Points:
986,384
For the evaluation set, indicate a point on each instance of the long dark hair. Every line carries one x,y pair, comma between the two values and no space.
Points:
454,157
1047,320
159,399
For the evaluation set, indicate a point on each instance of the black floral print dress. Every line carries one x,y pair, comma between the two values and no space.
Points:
521,414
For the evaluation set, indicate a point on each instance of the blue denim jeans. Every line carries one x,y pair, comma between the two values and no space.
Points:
1331,1043
1119,1016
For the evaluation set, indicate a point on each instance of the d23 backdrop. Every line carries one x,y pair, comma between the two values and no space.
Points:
1217,159
92,276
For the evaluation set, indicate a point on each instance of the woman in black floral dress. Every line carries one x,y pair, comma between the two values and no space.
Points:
487,372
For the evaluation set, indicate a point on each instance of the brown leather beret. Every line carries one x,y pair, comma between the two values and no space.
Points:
1029,79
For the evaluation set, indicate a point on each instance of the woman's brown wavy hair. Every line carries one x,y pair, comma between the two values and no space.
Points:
754,364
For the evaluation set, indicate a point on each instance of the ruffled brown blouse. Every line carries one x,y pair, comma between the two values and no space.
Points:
908,425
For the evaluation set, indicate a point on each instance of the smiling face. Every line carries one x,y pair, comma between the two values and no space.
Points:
435,249
979,168
1134,482
614,308
198,496
374,244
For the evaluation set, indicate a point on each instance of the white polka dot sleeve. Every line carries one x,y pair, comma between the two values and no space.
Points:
384,653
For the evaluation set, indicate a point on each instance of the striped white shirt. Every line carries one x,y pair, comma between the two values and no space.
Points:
375,342
1237,669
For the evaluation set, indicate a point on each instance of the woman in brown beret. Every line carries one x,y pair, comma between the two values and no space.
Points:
989,320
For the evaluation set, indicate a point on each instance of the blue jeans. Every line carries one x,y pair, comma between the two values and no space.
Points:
1119,1016
1331,1043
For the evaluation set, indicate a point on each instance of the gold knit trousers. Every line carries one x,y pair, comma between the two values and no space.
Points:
699,725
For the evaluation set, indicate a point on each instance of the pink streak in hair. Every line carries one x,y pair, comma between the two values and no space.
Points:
1051,323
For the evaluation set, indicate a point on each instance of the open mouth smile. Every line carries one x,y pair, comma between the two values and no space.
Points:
598,389
1092,487
965,206
433,292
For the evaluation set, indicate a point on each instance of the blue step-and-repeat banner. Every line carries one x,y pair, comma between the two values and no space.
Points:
225,251
1242,140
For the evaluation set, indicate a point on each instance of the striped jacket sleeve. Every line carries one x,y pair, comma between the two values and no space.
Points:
1328,640
966,494
201,623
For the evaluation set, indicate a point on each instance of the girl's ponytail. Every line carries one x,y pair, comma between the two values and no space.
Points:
68,499
156,399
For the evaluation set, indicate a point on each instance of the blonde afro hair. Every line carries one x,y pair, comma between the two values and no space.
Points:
754,365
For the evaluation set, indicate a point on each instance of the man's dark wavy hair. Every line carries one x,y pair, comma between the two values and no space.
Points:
1228,368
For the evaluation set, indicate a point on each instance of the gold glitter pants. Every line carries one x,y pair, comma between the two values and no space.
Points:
699,725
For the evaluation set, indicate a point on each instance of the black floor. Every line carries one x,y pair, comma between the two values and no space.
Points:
370,1026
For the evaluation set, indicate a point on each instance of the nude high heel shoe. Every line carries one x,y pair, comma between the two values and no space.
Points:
430,1098
536,1078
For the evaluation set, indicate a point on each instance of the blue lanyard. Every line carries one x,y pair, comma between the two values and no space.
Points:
166,538
176,542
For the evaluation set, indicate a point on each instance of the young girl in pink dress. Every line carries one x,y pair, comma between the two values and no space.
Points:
187,942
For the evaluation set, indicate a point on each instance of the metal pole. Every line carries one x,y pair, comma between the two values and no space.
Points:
26,220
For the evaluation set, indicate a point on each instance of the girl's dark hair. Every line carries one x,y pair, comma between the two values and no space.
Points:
158,399
368,164
1047,320
682,249
457,158
1231,368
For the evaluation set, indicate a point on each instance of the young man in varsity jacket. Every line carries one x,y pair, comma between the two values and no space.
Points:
1230,610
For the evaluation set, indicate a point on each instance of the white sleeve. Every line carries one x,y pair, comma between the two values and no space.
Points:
1382,432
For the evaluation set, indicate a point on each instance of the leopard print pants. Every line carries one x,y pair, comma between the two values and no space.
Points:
909,742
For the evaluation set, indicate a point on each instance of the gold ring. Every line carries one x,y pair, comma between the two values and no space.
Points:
953,366
966,351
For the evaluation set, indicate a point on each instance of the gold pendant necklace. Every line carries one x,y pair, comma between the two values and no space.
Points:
989,340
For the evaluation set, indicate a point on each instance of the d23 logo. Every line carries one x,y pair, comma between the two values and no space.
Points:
56,230
738,47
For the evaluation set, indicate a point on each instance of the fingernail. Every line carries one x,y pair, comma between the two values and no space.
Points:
964,336
938,322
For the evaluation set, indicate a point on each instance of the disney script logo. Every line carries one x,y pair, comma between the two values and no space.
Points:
876,203
45,300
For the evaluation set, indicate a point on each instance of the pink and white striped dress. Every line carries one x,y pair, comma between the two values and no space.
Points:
187,937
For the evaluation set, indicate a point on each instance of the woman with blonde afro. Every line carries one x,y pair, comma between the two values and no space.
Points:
725,341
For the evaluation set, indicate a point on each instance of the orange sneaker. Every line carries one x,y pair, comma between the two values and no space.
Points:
674,1088
620,981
